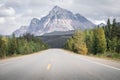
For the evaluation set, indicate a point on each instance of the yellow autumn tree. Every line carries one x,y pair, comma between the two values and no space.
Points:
79,42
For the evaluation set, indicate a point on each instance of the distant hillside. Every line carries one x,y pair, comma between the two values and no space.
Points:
60,33
55,41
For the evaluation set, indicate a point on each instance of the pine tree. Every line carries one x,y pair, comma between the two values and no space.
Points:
115,29
12,45
115,41
89,40
3,47
95,44
69,44
108,30
99,44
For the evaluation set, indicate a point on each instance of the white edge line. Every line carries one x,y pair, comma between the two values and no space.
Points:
108,66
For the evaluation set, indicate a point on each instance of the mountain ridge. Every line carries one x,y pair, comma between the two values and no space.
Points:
58,19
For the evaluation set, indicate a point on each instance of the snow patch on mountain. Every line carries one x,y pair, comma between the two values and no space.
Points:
58,19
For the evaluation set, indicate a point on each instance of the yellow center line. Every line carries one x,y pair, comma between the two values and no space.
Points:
48,66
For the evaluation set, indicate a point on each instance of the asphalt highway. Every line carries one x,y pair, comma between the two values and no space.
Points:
58,64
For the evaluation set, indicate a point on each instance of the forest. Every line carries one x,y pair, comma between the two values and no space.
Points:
11,46
103,41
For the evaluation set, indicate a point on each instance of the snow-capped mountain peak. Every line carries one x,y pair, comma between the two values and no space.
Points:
34,21
58,19
56,8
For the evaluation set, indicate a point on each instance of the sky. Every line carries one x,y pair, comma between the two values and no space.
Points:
17,13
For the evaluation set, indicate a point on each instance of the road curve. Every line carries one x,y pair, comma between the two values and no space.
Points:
57,64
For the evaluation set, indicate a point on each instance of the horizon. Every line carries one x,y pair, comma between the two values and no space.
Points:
14,14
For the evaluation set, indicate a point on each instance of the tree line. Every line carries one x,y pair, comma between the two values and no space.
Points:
96,41
26,44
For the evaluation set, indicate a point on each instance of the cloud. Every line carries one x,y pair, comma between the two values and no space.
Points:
13,23
99,21
2,20
6,11
15,13
98,8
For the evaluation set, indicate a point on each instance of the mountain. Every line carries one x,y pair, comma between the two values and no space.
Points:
21,31
101,25
60,33
58,19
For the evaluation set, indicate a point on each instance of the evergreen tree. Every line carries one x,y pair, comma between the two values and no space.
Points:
99,44
22,45
95,44
12,45
3,46
108,30
69,44
89,40
115,29
115,41
2,53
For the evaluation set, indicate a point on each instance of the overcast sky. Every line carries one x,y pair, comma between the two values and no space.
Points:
17,13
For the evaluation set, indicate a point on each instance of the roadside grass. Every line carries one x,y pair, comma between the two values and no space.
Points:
19,55
108,55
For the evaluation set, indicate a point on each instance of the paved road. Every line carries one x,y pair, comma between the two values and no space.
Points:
57,64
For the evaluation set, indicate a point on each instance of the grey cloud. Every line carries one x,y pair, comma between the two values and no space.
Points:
19,5
98,8
39,3
6,11
95,10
